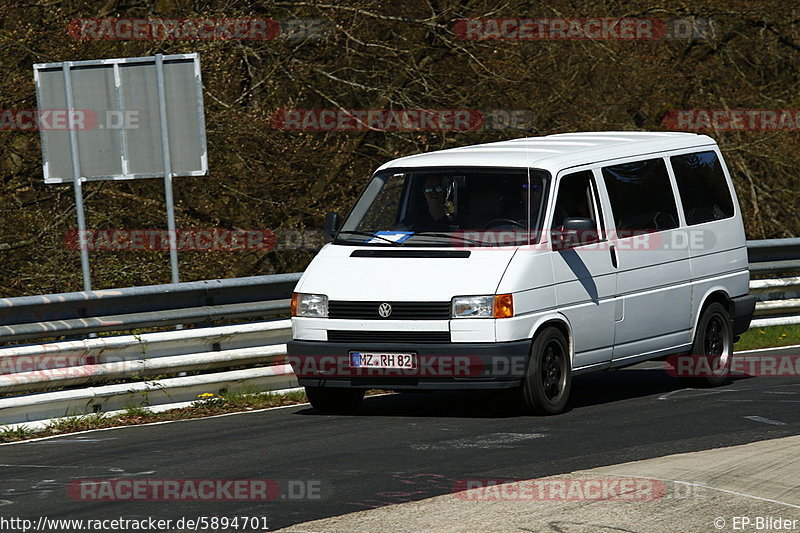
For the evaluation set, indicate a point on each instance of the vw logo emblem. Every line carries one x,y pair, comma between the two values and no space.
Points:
385,310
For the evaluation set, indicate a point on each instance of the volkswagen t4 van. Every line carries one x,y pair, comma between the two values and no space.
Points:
519,264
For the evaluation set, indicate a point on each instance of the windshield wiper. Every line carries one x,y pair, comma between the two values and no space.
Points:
367,234
471,241
448,236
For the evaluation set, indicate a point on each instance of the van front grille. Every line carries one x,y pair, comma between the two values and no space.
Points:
399,310
411,337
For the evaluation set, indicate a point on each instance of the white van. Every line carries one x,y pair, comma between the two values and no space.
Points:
519,264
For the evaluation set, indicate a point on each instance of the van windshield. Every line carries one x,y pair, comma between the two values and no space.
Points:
449,207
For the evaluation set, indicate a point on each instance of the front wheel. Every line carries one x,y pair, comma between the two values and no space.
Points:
332,400
713,340
546,386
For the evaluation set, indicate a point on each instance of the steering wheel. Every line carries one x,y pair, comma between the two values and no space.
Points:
502,221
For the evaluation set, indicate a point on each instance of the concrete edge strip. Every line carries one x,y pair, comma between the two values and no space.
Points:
701,485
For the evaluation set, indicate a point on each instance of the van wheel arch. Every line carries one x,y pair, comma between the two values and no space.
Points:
718,296
563,326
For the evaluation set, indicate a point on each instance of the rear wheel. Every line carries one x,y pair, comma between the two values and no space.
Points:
713,341
334,400
546,386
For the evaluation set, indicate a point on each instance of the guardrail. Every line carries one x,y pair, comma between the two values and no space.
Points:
779,295
774,256
259,347
218,353
196,302
136,357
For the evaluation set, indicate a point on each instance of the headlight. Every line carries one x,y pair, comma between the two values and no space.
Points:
491,306
473,307
309,305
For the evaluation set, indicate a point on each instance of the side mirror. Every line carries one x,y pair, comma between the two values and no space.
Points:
576,231
330,227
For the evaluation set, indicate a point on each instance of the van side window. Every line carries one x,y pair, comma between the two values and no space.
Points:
641,196
702,186
576,198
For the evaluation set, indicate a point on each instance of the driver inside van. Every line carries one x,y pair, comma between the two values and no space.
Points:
433,216
435,192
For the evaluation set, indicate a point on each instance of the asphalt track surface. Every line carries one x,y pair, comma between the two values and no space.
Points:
401,447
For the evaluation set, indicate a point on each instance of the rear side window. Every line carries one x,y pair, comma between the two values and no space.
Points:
641,196
702,186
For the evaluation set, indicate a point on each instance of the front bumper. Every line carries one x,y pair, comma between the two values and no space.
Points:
500,365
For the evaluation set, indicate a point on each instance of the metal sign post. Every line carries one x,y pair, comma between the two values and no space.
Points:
162,113
77,181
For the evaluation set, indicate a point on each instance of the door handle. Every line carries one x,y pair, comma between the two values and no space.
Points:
613,255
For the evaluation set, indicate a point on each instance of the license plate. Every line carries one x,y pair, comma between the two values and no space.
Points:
382,360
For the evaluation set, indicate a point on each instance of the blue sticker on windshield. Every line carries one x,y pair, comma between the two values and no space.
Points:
393,236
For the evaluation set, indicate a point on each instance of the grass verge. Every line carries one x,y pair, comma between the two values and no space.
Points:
206,405
769,337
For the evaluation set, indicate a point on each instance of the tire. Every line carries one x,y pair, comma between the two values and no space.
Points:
333,400
713,339
546,386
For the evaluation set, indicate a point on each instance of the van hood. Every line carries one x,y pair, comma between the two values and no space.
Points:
413,276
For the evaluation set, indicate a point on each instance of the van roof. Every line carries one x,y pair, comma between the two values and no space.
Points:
556,152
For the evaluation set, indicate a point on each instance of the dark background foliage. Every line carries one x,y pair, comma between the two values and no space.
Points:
377,55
